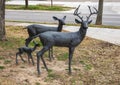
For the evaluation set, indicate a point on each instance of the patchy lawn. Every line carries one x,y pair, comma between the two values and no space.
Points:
94,63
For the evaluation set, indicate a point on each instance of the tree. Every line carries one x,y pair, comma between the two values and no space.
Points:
51,3
2,20
26,3
100,13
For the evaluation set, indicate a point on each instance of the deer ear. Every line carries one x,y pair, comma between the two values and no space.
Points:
55,18
77,21
64,17
89,21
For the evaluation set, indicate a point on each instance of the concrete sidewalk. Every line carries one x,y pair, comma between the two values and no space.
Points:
105,34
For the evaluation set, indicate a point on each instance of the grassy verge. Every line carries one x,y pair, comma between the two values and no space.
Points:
99,26
38,7
105,26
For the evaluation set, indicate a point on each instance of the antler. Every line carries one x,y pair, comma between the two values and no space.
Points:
77,14
91,13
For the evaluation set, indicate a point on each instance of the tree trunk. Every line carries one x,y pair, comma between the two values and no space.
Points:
100,12
26,3
2,20
51,3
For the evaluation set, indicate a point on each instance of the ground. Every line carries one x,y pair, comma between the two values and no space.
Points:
94,62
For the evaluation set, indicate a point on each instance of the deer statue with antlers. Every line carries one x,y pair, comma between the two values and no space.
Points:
64,39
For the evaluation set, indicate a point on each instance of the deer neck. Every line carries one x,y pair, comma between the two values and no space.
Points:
60,27
82,32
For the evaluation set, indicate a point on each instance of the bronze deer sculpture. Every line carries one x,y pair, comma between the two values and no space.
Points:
64,39
28,51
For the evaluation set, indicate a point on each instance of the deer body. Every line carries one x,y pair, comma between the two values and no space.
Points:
36,29
63,39
70,40
39,29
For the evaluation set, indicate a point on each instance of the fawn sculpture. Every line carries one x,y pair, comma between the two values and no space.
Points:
36,29
64,39
27,50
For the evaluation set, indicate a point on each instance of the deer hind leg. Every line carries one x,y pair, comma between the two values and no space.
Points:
71,50
16,58
40,54
51,54
29,57
22,58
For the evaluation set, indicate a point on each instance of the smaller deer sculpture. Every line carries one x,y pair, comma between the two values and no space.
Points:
64,39
27,50
36,29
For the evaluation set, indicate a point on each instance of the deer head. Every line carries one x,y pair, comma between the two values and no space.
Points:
61,21
84,23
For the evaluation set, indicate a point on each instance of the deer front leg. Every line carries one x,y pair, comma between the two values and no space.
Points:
40,54
71,50
38,62
18,53
44,63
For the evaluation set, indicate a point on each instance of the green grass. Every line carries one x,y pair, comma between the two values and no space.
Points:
52,76
105,26
9,43
86,65
1,58
63,57
7,61
37,7
2,67
37,83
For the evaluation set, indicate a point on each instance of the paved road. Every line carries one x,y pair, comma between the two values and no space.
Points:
111,12
46,17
